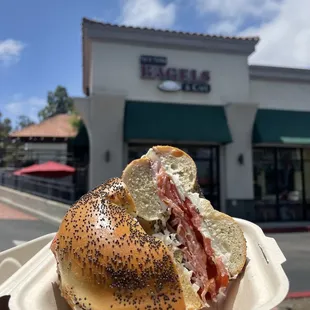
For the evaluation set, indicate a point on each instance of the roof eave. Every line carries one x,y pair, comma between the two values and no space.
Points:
279,74
150,37
107,32
85,60
41,138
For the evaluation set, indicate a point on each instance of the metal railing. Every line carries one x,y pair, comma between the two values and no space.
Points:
20,158
46,188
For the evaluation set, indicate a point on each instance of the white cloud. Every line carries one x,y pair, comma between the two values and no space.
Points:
25,106
285,40
282,25
226,27
10,51
233,15
239,8
148,13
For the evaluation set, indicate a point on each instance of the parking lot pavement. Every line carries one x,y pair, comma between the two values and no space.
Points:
296,248
295,304
17,227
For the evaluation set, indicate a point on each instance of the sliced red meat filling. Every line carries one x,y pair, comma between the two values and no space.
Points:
209,273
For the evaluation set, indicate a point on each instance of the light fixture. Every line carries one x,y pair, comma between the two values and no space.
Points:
240,159
107,156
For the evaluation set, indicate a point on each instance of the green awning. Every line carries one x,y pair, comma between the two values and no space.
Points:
281,127
175,122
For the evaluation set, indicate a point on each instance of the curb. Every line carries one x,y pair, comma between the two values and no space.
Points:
276,230
295,295
43,215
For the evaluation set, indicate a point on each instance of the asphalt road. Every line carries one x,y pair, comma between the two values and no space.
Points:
296,248
17,227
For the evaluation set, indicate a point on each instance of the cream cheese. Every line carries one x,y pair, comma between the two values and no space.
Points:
219,249
151,155
217,245
175,178
170,240
177,183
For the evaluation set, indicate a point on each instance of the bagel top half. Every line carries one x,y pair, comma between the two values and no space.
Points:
105,260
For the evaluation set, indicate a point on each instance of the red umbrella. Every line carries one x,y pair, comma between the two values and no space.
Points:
49,169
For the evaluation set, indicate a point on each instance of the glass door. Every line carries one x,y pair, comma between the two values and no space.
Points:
306,179
265,184
281,181
207,162
290,184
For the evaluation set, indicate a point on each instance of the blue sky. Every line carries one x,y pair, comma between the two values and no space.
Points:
40,41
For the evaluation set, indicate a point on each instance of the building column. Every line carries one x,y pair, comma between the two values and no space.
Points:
103,115
238,161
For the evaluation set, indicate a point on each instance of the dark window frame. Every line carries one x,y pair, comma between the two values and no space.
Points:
276,160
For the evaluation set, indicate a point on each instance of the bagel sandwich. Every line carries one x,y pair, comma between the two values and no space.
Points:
106,260
138,243
208,246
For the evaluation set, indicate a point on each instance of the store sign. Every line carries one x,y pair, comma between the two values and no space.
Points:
174,79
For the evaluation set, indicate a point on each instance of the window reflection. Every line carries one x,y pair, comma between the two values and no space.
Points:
264,175
306,171
278,183
289,175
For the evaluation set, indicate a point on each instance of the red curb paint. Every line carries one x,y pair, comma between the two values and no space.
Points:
298,295
8,213
276,230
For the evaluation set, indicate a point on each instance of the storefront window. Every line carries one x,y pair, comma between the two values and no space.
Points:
264,175
207,162
306,170
279,183
265,184
290,184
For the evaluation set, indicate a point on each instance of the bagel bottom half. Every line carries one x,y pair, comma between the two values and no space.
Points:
106,260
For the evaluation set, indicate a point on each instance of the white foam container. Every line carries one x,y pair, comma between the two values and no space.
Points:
262,286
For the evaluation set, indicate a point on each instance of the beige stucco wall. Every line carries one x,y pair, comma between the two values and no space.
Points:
282,95
48,151
103,114
115,78
115,67
115,70
62,147
239,177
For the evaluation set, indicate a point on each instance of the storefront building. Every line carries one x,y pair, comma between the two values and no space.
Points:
246,127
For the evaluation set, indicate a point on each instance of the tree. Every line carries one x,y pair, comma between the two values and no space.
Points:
57,102
24,121
76,121
5,127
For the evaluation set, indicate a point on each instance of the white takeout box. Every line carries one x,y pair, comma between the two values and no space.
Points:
262,286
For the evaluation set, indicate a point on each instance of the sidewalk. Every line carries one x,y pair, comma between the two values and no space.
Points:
45,209
285,227
294,304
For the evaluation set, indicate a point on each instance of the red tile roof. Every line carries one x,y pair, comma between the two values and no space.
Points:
181,33
58,126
